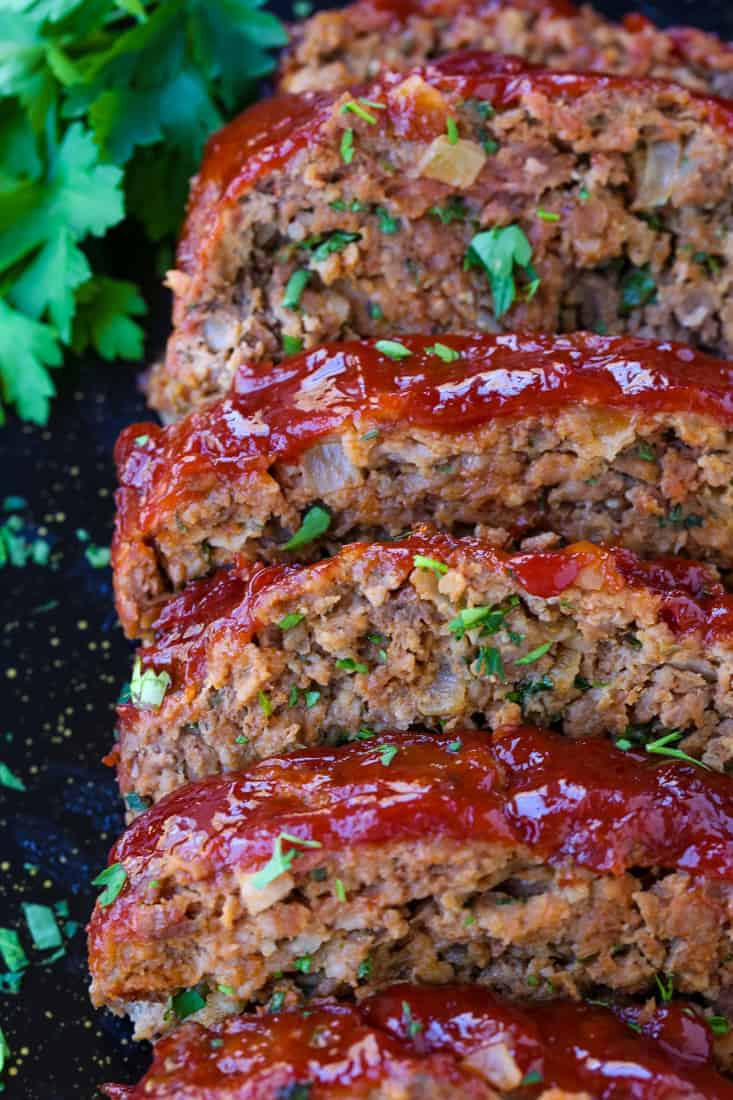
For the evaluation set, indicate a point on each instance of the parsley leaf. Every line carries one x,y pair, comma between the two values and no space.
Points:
315,523
498,251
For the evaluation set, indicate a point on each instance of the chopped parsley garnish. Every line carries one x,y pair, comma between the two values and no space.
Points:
498,252
364,970
583,194
298,1090
354,206
136,802
452,131
240,739
297,283
454,210
490,663
311,698
547,215
348,664
289,621
534,1077
645,451
185,1003
113,878
488,618
325,245
347,146
380,641
533,980
278,1000
148,688
666,988
265,703
339,890
448,355
303,964
455,746
315,523
357,109
97,556
292,344
414,1027
293,696
421,562
528,688
227,990
633,641
9,779
624,744
387,224
141,440
637,289
482,107
372,434
375,311
393,349
534,654
677,518
280,861
719,1025
387,754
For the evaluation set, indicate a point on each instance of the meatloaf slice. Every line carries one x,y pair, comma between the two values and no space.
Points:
334,49
470,194
435,632
458,1042
422,857
601,438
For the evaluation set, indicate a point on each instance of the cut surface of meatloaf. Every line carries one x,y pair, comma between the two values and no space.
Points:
472,194
431,632
334,49
431,858
455,1041
603,438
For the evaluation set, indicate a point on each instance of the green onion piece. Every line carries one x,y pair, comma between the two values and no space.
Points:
303,964
9,779
547,215
387,224
4,1051
719,1025
113,878
387,754
624,744
292,344
584,194
421,562
280,861
534,654
662,747
455,746
311,698
185,1003
534,1077
448,355
340,890
490,662
240,739
375,312
364,969
347,146
289,621
350,665
97,556
135,802
452,130
141,440
265,703
666,988
373,103
315,523
227,990
358,110
393,349
470,617
645,451
278,1000
42,926
372,434
295,287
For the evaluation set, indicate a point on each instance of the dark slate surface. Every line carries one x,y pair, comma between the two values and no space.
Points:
62,661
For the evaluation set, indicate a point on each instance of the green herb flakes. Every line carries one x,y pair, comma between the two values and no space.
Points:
148,688
498,251
326,245
97,556
315,523
297,283
534,1077
280,861
364,969
387,754
490,663
448,355
292,344
339,890
487,617
719,1025
387,224
358,110
265,703
303,964
393,349
454,210
437,567
534,654
311,698
347,146
452,131
136,803
664,746
547,215
186,1003
677,518
278,1000
113,878
638,289
348,664
289,621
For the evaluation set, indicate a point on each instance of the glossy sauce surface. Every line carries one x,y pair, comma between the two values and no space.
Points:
230,602
597,807
276,414
344,1051
271,132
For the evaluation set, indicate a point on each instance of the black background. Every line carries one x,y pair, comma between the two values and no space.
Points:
61,670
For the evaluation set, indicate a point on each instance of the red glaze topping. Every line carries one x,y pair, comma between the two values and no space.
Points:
277,414
229,602
596,806
344,1051
271,132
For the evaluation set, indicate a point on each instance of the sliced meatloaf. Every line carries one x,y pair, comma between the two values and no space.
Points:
334,49
422,857
449,1042
601,438
435,632
470,194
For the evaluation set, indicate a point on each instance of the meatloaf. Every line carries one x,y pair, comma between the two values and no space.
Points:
470,194
336,48
451,1042
601,438
435,632
422,857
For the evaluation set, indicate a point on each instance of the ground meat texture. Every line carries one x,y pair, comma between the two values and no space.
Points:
334,49
602,438
433,632
420,1041
429,858
474,195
